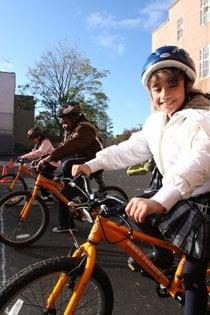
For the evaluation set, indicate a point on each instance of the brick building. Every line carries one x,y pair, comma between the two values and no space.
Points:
188,27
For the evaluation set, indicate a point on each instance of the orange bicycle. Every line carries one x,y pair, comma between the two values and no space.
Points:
76,284
25,216
14,181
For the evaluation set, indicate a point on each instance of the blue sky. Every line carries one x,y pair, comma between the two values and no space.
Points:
114,34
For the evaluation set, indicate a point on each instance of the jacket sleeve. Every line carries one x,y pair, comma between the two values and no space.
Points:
134,150
82,138
44,149
189,172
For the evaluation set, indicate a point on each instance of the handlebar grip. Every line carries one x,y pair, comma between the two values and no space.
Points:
153,220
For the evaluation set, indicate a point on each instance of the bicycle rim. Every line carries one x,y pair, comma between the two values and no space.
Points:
28,291
18,233
6,187
115,191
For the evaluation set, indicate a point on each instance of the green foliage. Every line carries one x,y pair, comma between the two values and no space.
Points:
24,102
63,75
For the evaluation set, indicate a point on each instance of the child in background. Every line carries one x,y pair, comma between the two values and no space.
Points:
42,148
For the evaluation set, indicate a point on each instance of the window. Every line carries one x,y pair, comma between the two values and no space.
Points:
204,11
204,62
179,27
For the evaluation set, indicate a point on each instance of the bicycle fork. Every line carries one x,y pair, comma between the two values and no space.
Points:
27,205
88,252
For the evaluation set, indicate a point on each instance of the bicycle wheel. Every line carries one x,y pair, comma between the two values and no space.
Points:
15,232
5,186
28,290
114,191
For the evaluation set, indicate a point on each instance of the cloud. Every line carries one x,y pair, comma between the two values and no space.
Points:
105,20
151,15
113,42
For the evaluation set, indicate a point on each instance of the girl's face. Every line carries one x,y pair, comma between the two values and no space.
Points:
167,96
35,140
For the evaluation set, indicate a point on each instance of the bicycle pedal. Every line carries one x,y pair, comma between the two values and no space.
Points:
134,267
131,267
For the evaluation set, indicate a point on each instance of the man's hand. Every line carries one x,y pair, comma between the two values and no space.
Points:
79,169
139,208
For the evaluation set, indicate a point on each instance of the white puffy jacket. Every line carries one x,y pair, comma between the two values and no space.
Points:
180,148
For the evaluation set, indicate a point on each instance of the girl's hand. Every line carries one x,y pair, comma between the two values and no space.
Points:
79,169
139,208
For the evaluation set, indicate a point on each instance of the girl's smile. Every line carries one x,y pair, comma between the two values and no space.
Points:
166,96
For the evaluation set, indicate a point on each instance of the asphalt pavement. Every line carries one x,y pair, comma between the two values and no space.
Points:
133,294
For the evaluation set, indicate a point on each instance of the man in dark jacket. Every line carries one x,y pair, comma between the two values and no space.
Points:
81,142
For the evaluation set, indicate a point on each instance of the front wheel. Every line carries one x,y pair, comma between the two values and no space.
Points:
9,183
15,231
27,291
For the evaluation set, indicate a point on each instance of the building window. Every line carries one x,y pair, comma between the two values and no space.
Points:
204,62
204,11
179,27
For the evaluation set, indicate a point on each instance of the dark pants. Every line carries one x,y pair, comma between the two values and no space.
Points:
196,296
64,218
48,172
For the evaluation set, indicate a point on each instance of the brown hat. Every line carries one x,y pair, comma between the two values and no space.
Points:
69,109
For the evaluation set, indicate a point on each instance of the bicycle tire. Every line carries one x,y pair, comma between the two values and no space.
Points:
5,182
115,191
14,232
34,283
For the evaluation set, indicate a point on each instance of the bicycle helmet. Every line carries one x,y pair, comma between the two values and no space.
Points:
34,132
69,109
165,57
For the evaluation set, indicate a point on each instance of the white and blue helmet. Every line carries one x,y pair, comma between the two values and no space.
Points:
165,57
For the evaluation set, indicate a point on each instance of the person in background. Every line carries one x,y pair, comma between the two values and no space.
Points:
42,148
81,143
177,136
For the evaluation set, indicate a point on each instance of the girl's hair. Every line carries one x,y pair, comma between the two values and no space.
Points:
173,75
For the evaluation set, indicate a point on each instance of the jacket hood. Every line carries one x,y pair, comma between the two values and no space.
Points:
199,101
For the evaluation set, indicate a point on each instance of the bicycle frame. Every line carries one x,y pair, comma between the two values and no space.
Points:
21,170
117,235
53,186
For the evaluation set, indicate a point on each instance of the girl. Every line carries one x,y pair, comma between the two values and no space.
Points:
42,148
177,136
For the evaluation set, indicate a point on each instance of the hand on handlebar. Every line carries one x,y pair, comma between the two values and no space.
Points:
41,164
21,160
139,208
80,169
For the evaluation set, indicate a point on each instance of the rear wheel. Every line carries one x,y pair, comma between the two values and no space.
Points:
16,232
28,290
9,184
